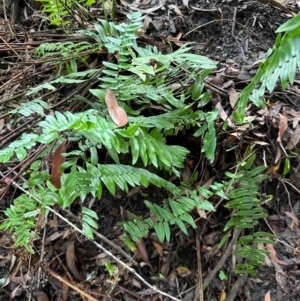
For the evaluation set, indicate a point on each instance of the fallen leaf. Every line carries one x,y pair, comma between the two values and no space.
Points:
223,115
268,296
71,259
278,154
165,267
147,21
40,296
274,255
222,295
176,9
233,96
53,237
41,220
202,213
2,122
281,280
57,161
134,191
117,113
136,283
141,249
293,217
145,2
294,139
182,271
158,248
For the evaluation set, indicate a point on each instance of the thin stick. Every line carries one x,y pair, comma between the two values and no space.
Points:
221,262
199,267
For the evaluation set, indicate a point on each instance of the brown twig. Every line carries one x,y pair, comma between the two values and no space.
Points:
221,262
199,268
237,287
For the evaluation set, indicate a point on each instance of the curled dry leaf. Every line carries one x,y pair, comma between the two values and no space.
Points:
117,113
282,127
71,260
142,251
158,247
58,159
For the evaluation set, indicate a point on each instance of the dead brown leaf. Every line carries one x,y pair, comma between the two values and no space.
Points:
142,251
117,113
294,139
268,296
57,161
53,236
293,217
71,260
158,248
233,96
281,280
40,296
2,122
41,220
165,267
134,191
274,255
282,127
67,233
278,154
223,115
136,283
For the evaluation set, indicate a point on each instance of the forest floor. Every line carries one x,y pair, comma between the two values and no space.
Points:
236,34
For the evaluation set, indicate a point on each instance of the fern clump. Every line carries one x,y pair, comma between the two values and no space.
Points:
139,155
137,84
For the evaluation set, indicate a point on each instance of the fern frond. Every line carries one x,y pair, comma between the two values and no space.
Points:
282,62
245,201
33,106
175,211
18,147
58,9
123,175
